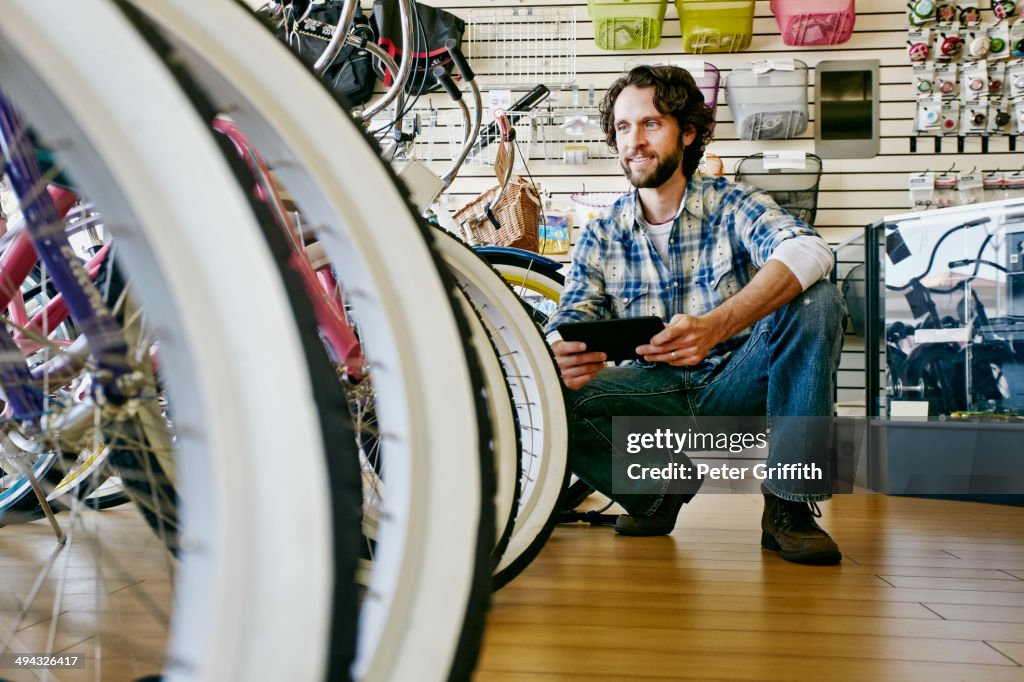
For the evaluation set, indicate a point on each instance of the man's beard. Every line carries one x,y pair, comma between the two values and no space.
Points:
657,176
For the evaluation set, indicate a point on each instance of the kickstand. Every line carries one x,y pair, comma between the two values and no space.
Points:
26,471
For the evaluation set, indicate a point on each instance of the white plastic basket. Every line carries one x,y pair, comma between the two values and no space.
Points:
768,99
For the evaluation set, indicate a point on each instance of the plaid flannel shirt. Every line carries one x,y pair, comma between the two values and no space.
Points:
724,234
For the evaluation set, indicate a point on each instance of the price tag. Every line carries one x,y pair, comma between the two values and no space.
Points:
785,159
694,66
959,335
763,66
924,181
970,181
499,99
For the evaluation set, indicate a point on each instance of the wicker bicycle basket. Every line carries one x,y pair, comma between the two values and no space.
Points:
517,213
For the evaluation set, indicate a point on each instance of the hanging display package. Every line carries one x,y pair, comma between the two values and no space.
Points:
350,74
432,27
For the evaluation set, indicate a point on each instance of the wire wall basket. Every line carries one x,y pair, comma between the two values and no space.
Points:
522,46
793,188
487,144
570,135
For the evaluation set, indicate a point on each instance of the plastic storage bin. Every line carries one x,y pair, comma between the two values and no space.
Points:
768,99
627,24
715,25
814,22
794,189
708,80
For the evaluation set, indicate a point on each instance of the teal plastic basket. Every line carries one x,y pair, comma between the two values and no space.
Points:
627,24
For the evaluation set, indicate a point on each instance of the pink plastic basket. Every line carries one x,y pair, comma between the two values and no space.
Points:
814,22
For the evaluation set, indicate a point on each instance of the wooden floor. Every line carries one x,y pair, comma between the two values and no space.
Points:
115,602
927,590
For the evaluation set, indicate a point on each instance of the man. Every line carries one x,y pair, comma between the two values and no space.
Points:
751,327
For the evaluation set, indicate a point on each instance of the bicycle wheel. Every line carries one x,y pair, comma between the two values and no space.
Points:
537,394
507,443
423,614
539,283
535,279
94,93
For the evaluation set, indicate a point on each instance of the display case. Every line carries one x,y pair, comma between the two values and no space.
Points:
954,312
944,352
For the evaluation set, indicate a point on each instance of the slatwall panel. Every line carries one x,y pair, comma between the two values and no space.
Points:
853,192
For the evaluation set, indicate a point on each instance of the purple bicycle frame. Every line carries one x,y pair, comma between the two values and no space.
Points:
84,301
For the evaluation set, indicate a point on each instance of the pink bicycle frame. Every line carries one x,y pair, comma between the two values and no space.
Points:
320,284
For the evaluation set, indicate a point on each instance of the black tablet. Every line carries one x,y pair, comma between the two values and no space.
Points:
617,339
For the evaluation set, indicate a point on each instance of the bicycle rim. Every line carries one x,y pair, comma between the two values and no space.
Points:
95,93
536,390
540,288
422,617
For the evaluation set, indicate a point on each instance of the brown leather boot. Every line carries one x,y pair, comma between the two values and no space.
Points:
661,522
790,529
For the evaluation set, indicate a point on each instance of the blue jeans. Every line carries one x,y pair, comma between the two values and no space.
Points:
787,367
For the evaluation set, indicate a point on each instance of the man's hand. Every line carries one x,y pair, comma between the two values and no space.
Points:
685,341
575,364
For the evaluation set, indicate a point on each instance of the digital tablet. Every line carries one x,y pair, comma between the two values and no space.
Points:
617,339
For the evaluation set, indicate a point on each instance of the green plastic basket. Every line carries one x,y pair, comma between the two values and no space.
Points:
627,24
715,25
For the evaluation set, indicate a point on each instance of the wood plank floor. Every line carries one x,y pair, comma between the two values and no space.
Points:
116,595
928,590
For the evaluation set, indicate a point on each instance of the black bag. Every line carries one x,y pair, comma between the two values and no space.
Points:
432,27
350,74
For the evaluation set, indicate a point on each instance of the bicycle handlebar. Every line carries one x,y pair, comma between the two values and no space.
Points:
460,60
446,81
339,38
472,127
398,82
522,105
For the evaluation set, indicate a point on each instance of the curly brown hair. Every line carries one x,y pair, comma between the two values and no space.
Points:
675,93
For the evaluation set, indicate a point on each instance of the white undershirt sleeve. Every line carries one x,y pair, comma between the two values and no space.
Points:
809,258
